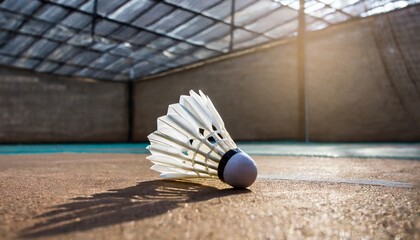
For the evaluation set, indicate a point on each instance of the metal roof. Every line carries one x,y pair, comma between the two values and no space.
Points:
130,39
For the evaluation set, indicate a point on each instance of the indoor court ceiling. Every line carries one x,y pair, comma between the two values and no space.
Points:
131,39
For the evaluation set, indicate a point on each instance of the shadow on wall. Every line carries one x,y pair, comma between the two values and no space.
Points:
145,200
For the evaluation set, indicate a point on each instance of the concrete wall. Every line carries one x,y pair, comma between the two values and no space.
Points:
246,90
357,90
352,93
42,108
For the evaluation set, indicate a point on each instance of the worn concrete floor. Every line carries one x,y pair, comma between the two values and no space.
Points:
116,196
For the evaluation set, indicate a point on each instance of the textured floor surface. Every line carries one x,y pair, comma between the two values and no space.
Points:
116,196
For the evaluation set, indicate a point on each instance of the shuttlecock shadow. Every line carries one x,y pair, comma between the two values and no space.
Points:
145,200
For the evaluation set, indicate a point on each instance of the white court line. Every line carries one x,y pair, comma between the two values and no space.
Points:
373,182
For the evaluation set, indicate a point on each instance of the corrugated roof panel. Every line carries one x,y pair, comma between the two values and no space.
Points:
254,12
104,61
142,68
159,69
123,50
40,48
103,44
51,13
67,70
191,27
85,72
382,7
220,11
104,27
35,27
343,3
221,45
64,53
284,29
317,25
355,9
321,12
181,48
16,45
240,35
4,37
119,65
27,63
204,53
171,21
21,6
106,7
224,9
123,33
276,18
130,10
143,38
81,39
104,75
198,6
47,66
216,31
70,3
162,43
59,33
162,57
336,17
185,60
153,15
143,53
6,60
84,58
88,6
252,42
77,20
10,21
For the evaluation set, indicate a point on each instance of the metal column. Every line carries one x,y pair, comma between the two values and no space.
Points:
302,86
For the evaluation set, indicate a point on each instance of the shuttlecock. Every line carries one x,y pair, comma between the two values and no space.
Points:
191,142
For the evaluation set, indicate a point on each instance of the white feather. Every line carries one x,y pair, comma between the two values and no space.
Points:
190,140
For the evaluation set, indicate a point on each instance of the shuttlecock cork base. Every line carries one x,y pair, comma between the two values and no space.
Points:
237,169
191,142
